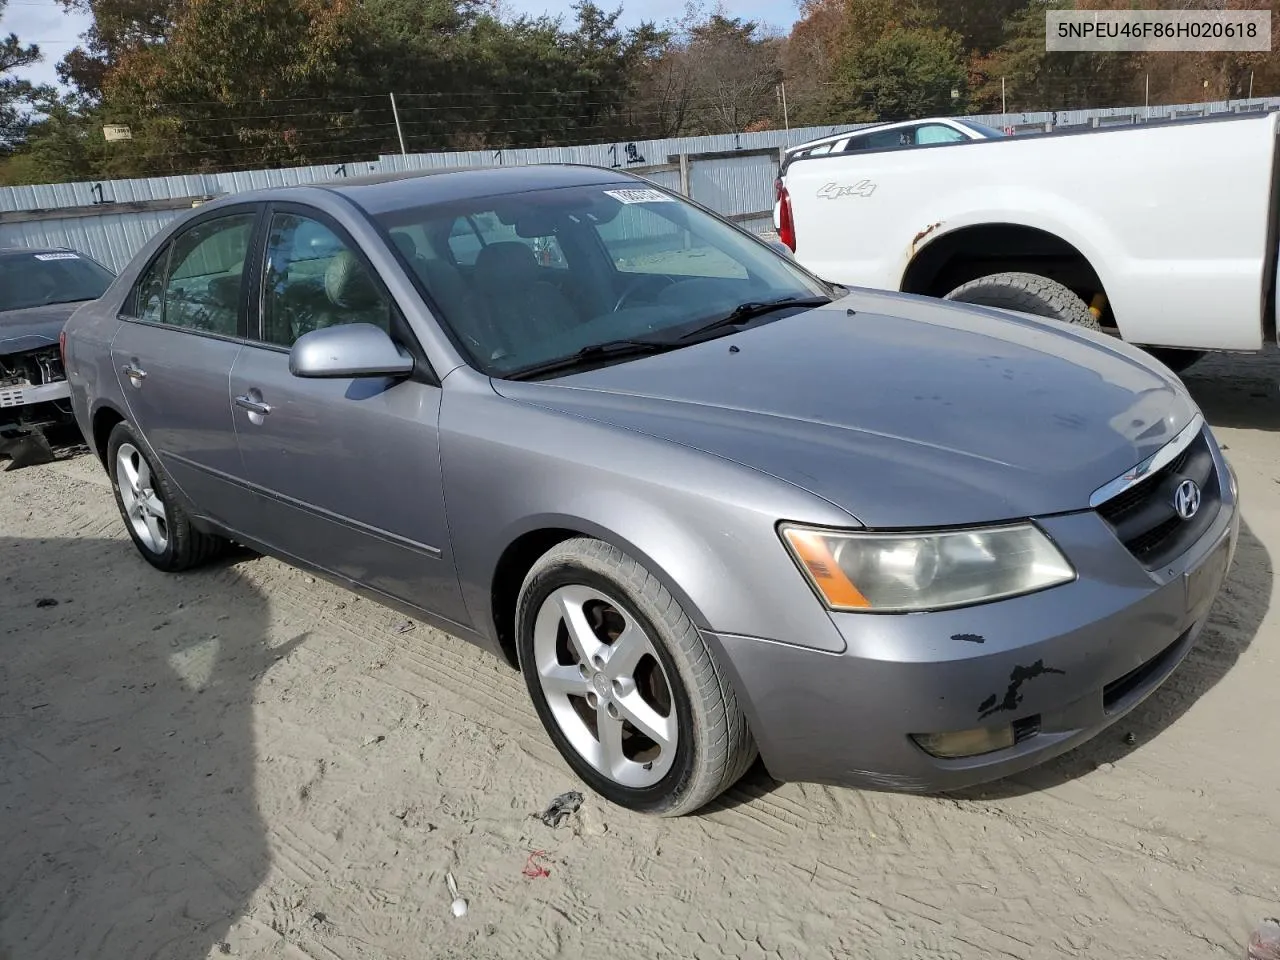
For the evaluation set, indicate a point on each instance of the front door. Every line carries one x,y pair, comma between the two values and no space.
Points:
184,326
347,471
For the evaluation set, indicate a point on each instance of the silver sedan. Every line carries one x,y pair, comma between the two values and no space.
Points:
709,504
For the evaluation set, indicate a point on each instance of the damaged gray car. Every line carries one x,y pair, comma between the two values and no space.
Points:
39,290
706,502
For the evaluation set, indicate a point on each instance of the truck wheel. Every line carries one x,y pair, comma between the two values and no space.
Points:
1175,358
1027,293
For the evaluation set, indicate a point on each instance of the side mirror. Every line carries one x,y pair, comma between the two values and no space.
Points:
352,350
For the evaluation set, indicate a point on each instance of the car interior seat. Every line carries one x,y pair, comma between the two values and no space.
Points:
524,308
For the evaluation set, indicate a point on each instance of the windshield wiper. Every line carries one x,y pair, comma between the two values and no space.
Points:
745,312
608,351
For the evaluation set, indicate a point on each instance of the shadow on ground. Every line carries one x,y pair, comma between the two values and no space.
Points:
1241,391
128,818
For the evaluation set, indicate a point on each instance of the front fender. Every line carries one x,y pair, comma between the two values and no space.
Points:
703,526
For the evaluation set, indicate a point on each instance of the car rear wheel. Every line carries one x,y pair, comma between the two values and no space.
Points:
1027,293
157,524
624,683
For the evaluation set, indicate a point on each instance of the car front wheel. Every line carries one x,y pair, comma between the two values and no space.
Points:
625,684
157,524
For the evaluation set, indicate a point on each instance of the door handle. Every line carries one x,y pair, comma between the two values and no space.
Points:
253,406
134,373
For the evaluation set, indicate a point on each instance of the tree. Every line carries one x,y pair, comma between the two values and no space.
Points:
906,74
196,101
877,60
15,95
734,71
1035,79
1223,75
980,23
63,143
662,98
315,89
811,55
117,27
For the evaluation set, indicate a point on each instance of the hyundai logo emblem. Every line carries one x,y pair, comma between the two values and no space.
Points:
1186,499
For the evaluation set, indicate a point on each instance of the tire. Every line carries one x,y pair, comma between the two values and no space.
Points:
1028,293
152,513
666,664
1174,358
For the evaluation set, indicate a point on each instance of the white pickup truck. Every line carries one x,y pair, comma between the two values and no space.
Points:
1163,233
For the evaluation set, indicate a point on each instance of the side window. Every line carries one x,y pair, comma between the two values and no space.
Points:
206,267
937,133
313,279
641,241
882,140
148,295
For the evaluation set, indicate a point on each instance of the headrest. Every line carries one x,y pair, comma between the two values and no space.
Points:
443,282
225,291
505,263
406,244
348,284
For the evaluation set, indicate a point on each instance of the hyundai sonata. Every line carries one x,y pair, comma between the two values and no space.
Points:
708,503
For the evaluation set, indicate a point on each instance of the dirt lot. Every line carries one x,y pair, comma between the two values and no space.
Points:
247,762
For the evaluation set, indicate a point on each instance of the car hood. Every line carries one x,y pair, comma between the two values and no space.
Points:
903,411
33,327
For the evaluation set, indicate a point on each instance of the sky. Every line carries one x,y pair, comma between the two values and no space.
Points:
44,22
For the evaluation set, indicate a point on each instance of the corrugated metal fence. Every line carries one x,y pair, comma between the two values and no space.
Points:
732,174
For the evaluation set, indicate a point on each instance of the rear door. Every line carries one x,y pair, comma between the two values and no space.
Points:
345,472
183,327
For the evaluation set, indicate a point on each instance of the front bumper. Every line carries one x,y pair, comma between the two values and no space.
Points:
1063,664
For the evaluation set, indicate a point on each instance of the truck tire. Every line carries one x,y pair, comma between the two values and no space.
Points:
1027,293
1175,358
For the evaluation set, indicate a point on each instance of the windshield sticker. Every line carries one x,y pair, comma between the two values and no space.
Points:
57,256
639,196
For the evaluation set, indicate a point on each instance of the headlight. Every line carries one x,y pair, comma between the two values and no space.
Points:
900,573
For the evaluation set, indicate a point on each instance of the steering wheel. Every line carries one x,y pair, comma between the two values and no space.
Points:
636,285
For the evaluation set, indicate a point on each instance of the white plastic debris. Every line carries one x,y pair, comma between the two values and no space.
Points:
459,905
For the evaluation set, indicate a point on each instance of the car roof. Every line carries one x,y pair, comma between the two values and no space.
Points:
382,192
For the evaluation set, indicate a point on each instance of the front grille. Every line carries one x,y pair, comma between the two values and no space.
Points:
1144,518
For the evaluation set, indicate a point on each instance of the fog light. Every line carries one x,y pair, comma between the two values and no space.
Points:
966,743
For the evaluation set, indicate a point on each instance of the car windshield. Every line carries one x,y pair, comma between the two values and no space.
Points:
527,279
982,128
40,278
